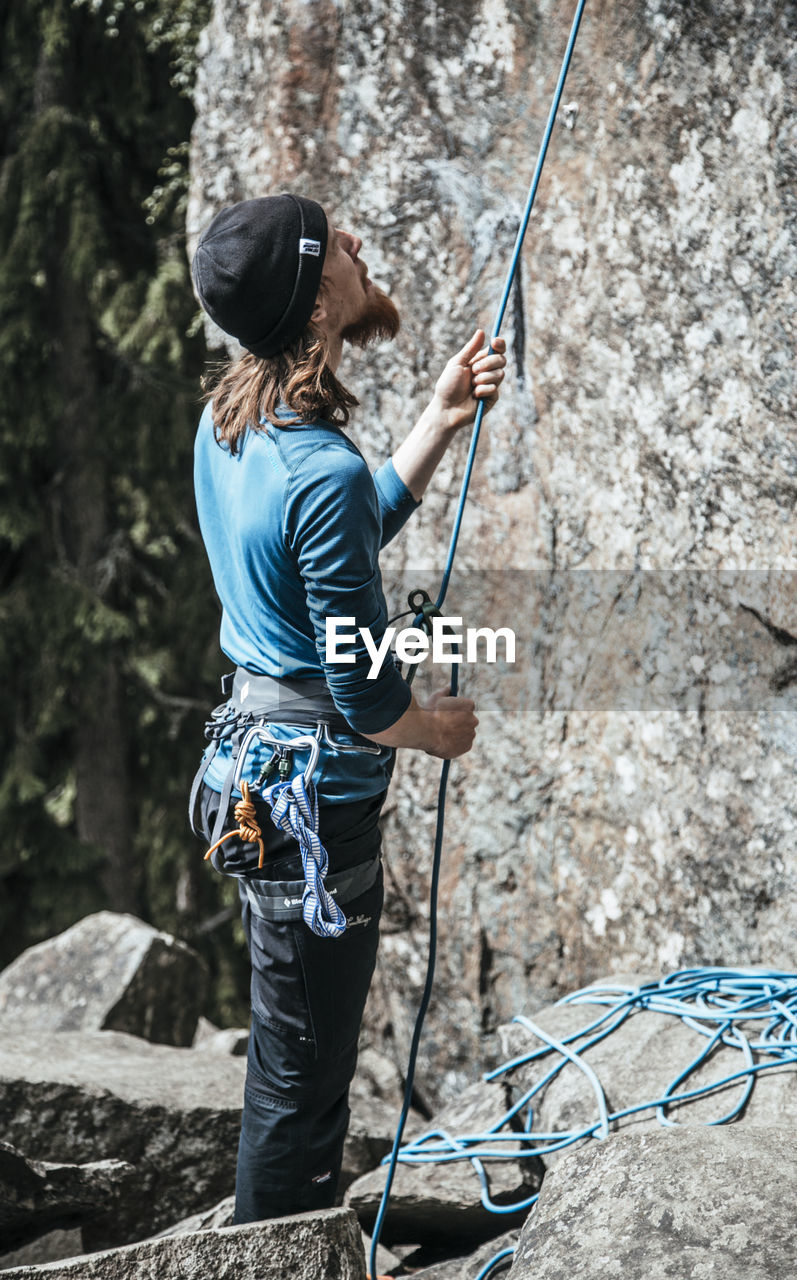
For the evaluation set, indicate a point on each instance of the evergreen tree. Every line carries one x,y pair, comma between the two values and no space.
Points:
109,657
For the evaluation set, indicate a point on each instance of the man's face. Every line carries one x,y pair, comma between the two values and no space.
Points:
359,311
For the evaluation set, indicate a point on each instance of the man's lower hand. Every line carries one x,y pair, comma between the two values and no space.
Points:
454,725
443,726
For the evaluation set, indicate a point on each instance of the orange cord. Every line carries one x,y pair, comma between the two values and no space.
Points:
248,828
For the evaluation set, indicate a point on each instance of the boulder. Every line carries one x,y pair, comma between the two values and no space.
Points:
471,1266
635,1064
372,1126
694,1202
386,1261
375,1098
378,1077
50,1247
431,1203
205,1029
92,1096
36,1197
219,1215
174,1114
307,1247
108,972
233,1040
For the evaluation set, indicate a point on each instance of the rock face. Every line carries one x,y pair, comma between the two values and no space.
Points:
704,1202
88,1096
108,972
629,799
306,1247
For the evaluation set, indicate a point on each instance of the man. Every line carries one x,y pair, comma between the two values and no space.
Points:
293,522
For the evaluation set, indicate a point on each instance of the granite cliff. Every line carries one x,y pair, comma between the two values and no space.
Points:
629,803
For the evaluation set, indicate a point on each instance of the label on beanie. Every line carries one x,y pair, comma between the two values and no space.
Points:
313,247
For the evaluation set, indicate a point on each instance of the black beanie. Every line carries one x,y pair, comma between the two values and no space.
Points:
257,269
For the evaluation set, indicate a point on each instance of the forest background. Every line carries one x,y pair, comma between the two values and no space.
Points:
109,656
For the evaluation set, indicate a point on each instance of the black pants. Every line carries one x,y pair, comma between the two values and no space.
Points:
308,995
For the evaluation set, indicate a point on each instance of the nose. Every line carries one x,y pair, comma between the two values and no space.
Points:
353,245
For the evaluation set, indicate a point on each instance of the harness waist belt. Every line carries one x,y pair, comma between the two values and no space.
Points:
282,899
299,702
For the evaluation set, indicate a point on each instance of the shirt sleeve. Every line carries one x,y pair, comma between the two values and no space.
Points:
332,526
395,500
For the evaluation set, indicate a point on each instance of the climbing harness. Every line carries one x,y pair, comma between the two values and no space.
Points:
424,620
750,1013
255,705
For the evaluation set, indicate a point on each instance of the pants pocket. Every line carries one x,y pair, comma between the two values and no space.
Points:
337,973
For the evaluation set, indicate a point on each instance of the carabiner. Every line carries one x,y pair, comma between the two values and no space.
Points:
301,743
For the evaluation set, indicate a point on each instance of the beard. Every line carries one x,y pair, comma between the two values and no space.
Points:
379,320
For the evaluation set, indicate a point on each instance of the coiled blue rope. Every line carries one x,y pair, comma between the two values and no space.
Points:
720,1005
441,798
294,809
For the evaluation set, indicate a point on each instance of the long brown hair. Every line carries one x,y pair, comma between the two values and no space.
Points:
252,388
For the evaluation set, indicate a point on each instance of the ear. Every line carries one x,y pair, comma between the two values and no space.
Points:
320,312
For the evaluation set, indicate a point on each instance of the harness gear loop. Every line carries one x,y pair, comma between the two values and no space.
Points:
248,825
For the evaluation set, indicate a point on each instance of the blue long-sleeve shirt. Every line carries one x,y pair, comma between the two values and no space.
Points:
293,524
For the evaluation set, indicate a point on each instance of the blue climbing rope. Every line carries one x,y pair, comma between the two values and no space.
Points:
752,1012
419,1021
441,799
497,1263
510,278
